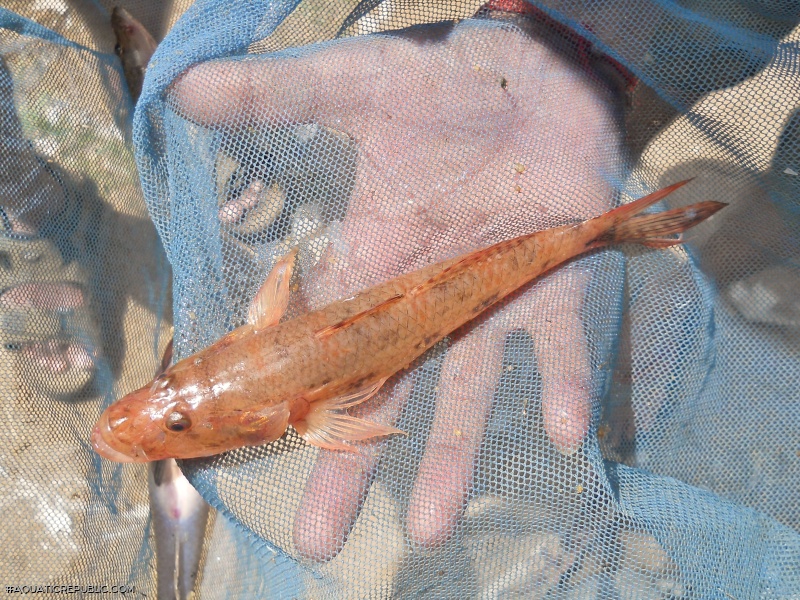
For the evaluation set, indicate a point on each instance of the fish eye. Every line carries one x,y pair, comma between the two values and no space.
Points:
177,421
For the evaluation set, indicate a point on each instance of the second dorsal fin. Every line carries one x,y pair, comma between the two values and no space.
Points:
459,264
341,325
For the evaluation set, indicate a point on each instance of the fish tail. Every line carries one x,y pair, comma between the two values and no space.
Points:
651,230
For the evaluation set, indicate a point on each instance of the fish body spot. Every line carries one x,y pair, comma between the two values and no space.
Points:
487,303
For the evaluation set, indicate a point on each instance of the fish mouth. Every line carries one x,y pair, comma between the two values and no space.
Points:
101,438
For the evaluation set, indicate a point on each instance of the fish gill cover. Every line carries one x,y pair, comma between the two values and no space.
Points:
623,427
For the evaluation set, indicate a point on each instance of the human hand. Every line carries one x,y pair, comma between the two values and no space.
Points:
465,137
43,301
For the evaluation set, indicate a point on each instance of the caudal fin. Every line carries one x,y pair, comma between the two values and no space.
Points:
651,230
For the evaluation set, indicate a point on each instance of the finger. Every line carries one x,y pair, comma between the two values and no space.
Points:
339,481
325,86
466,387
562,355
233,210
48,296
336,488
57,357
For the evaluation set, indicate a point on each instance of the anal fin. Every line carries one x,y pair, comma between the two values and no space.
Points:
327,425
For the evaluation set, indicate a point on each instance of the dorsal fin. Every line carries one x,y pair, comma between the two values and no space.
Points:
272,298
342,325
166,358
463,262
166,361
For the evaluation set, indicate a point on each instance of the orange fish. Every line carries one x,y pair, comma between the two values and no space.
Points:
250,386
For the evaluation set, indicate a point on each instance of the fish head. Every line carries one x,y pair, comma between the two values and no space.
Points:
137,428
170,419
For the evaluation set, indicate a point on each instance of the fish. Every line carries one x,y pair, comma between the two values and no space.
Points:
135,47
248,387
180,516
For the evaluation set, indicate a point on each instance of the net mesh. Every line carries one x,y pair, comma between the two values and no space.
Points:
625,427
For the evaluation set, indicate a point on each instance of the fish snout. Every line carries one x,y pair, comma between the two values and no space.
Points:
104,442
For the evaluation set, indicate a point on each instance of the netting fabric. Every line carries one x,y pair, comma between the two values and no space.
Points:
80,318
85,313
624,427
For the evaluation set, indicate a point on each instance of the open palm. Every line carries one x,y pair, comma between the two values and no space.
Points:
466,135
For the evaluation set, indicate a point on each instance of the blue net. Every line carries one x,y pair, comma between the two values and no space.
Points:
624,427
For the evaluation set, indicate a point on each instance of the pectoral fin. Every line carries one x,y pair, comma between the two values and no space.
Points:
272,299
265,425
327,425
